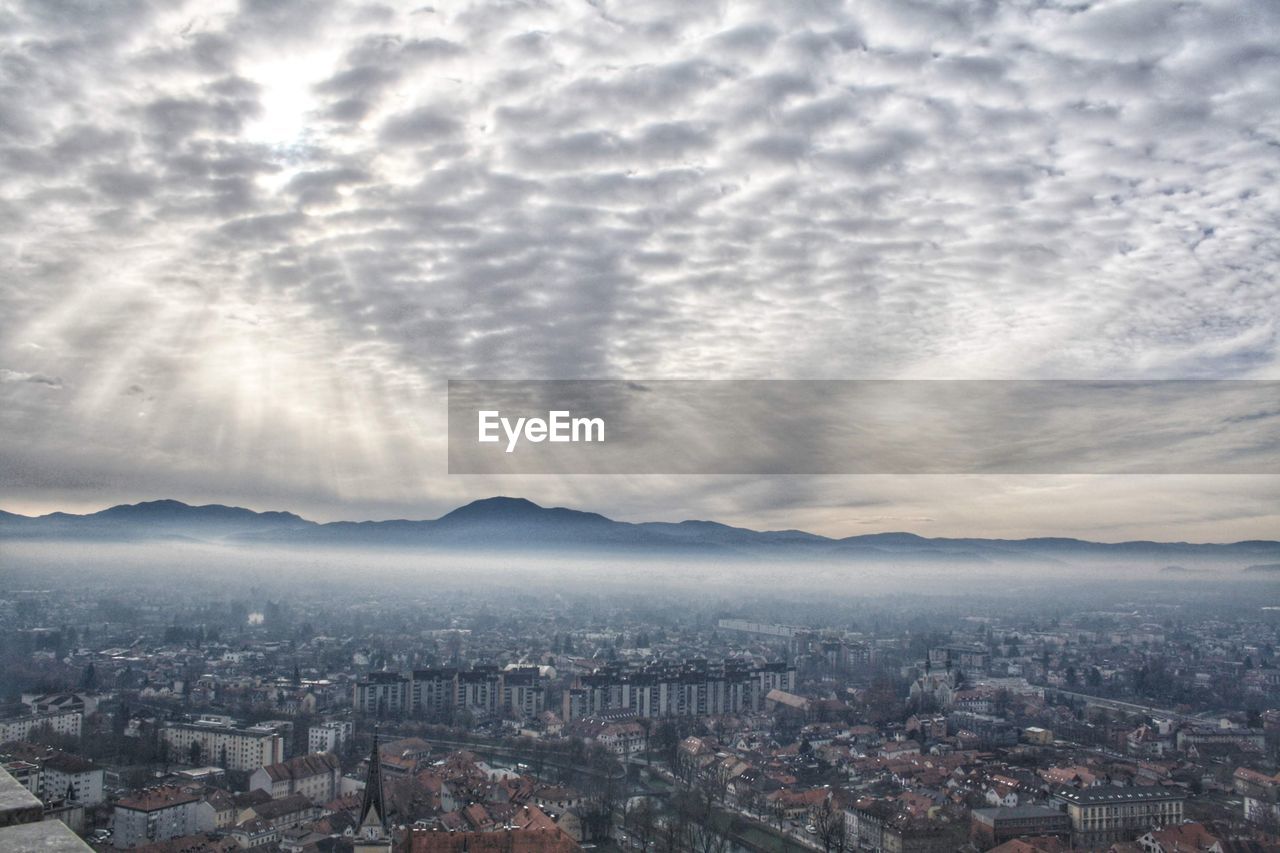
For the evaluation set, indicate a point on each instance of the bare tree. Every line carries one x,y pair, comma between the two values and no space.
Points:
778,811
703,832
646,723
829,821
672,829
640,822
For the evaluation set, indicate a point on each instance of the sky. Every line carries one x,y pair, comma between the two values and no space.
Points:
245,245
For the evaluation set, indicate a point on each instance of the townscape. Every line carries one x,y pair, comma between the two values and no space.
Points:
229,716
639,426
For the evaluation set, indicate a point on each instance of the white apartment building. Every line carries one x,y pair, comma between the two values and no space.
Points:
72,777
59,722
328,737
226,745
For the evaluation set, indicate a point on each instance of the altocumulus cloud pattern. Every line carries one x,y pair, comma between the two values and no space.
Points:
248,242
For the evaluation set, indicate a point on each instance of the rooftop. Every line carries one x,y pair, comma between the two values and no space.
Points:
156,799
1111,794
1015,813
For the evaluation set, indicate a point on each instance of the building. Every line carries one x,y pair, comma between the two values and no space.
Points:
155,814
26,772
691,688
17,804
329,737
864,824
964,656
317,777
55,776
502,841
70,777
1261,794
1249,740
915,835
57,703
624,738
479,690
435,692
760,629
373,825
1184,838
1106,814
382,693
254,833
217,810
992,827
985,729
1037,736
694,688
283,813
523,692
21,727
575,703
225,744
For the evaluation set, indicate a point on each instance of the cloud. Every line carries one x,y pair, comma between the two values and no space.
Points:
897,189
419,126
7,375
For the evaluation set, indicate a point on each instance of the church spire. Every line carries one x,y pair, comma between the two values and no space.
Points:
373,810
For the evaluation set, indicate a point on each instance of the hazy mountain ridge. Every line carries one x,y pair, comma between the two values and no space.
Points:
503,523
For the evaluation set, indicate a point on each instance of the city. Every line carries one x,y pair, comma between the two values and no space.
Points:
639,426
236,712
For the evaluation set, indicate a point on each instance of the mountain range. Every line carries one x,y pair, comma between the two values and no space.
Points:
510,524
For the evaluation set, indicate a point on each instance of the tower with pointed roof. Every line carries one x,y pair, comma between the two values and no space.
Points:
373,830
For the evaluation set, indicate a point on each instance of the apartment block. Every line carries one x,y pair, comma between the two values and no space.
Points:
225,744
1105,814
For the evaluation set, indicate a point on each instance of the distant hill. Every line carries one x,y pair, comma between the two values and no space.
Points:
510,524
150,520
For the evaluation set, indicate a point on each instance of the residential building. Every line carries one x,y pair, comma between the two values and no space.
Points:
692,688
433,691
990,827
17,804
968,657
329,737
1261,794
283,813
1184,838
70,777
155,814
27,773
382,693
22,727
1107,814
316,776
224,744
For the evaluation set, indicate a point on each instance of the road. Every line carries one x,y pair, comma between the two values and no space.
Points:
1118,705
